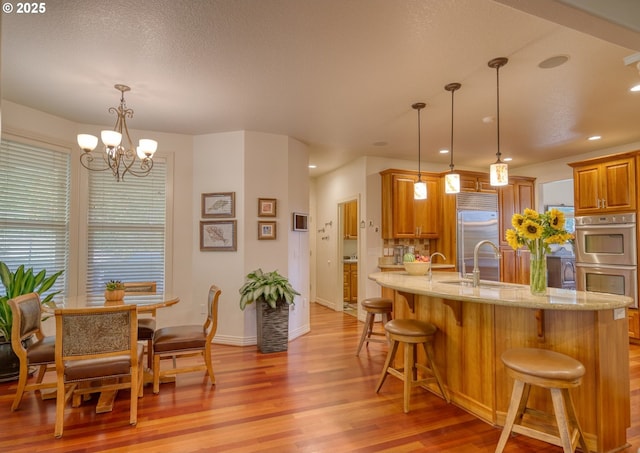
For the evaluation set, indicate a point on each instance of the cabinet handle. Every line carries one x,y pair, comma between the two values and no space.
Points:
604,203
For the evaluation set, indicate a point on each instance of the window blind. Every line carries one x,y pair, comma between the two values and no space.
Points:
126,228
34,209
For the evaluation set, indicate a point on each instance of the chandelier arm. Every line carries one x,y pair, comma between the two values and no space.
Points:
146,165
86,160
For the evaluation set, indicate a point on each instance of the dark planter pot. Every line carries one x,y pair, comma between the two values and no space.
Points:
9,363
272,326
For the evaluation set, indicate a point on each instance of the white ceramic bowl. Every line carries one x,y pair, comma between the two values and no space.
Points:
416,267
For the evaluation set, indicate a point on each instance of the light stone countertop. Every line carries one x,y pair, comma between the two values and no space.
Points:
497,293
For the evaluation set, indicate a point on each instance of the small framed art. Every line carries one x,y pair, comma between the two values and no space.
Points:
221,204
266,230
267,207
218,236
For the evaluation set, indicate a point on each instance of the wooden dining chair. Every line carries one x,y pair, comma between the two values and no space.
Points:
30,345
93,345
186,340
146,324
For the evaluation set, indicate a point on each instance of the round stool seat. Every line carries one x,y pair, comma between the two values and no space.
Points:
410,328
543,364
378,304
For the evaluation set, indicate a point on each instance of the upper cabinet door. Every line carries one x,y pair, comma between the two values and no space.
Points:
350,215
404,217
604,186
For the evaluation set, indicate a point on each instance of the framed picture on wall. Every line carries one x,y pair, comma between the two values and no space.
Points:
267,207
218,236
221,204
266,230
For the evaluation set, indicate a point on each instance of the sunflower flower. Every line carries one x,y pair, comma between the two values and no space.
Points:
537,231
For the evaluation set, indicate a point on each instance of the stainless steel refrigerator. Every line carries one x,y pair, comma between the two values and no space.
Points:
477,215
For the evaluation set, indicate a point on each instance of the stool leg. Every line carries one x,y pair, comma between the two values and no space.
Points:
514,408
573,419
561,419
410,372
366,331
386,317
428,347
390,356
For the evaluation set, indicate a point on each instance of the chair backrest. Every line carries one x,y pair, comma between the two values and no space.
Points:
140,287
26,311
89,333
211,322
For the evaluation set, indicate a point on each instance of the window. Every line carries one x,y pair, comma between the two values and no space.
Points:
34,208
126,228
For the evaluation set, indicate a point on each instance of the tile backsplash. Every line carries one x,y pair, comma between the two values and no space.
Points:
422,246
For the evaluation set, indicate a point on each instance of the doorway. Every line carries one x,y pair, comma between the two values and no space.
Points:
348,253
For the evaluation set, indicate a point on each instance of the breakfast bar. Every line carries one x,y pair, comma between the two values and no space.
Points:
477,324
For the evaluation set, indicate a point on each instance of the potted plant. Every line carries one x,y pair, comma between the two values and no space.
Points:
273,295
22,281
114,290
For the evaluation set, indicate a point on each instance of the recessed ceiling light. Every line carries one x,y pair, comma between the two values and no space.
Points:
594,137
635,88
508,159
313,166
444,151
553,62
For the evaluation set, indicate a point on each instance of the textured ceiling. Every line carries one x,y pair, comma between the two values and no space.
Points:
339,75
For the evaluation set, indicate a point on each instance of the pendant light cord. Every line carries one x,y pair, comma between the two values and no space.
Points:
451,161
498,154
419,153
419,106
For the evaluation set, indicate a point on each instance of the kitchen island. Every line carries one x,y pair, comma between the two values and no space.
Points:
476,325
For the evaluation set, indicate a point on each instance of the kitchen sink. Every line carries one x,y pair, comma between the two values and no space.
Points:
483,284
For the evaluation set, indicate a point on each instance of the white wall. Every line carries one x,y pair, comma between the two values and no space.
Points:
220,162
345,183
253,165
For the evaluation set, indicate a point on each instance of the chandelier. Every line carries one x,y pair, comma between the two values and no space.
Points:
118,157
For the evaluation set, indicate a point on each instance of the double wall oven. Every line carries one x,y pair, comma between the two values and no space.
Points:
606,254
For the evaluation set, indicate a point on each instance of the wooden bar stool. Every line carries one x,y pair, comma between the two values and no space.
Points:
551,370
374,306
411,332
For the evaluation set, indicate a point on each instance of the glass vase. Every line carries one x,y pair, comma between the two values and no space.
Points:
538,275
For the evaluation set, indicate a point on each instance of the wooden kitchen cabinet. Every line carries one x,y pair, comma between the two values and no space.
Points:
404,217
350,216
604,185
350,282
471,181
513,198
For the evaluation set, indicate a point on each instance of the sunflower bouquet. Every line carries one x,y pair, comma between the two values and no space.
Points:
537,232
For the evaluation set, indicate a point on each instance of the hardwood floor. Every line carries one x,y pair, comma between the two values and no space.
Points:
317,397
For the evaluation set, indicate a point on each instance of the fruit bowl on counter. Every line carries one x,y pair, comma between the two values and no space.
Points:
416,265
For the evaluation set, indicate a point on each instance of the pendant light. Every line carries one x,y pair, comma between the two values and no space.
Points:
420,187
452,179
499,171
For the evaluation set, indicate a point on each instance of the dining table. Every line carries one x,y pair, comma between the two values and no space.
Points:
146,304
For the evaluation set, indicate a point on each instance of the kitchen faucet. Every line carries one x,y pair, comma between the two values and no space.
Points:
429,276
476,268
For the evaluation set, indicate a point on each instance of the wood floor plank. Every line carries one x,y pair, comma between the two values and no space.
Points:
316,397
